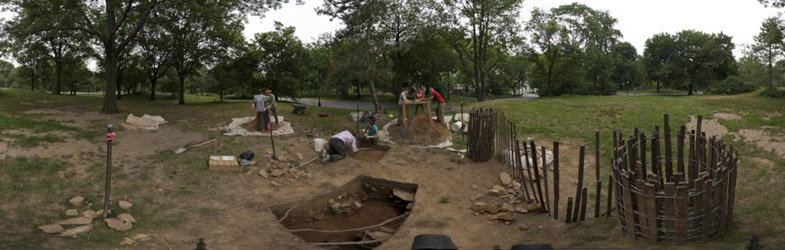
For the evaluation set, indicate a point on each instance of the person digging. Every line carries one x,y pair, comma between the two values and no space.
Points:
273,104
337,146
260,105
439,104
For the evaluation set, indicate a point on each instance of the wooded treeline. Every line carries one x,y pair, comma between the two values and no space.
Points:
480,47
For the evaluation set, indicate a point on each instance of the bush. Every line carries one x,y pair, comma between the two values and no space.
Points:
776,93
731,86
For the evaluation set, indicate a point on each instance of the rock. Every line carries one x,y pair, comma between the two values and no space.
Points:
90,214
125,205
52,228
492,209
521,210
409,206
506,207
101,212
126,217
141,237
127,241
71,212
336,207
76,221
358,204
118,224
505,178
76,231
516,186
496,190
77,201
263,173
480,204
403,195
533,207
477,196
275,184
523,228
505,217
474,186
277,172
299,156
379,235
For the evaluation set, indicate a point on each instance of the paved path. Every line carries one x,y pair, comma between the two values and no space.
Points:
369,105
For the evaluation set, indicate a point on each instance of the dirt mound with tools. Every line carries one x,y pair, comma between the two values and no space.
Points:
420,130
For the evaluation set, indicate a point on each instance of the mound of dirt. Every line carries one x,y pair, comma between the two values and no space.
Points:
420,130
251,126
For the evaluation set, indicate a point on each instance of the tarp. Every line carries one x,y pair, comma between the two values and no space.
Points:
151,122
235,128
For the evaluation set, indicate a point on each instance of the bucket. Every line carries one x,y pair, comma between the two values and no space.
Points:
318,144
455,127
461,117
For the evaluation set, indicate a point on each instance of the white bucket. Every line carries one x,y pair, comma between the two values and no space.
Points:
461,117
455,127
319,144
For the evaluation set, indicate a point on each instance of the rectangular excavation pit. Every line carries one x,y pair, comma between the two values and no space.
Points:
361,214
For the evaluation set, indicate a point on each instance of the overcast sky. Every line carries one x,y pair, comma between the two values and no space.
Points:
637,20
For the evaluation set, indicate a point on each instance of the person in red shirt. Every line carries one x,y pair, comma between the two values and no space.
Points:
419,95
439,104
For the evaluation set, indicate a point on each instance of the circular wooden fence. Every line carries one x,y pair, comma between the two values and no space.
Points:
685,195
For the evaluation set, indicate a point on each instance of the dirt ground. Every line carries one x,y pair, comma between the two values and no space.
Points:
232,211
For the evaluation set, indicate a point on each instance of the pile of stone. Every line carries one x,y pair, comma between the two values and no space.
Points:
79,223
503,202
283,167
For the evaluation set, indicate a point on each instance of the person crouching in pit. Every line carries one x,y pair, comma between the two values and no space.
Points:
337,146
371,132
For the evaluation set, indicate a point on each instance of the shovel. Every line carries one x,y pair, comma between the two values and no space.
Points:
183,149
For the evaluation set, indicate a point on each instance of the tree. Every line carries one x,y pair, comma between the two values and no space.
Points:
200,32
153,47
6,73
484,23
320,64
627,68
773,3
283,60
769,43
549,37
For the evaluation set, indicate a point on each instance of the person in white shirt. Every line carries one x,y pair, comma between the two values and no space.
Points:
401,100
337,146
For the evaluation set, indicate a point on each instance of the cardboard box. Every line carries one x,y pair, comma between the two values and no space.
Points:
223,163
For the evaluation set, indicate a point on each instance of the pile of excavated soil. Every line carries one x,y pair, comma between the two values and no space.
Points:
420,130
251,126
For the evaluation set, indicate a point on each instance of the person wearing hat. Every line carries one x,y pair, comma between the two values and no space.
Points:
273,104
260,105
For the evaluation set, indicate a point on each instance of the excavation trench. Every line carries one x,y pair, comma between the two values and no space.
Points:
361,214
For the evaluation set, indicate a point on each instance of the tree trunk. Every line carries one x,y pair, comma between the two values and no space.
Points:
110,99
771,70
550,79
594,83
182,89
658,87
221,93
689,87
119,80
152,88
58,78
32,80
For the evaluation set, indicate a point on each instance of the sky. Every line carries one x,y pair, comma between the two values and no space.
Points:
637,20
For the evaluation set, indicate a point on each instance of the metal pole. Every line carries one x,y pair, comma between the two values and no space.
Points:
272,141
463,123
109,137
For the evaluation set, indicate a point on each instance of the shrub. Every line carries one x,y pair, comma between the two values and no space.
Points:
731,86
776,93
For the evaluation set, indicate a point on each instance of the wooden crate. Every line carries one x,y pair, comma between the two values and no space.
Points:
223,163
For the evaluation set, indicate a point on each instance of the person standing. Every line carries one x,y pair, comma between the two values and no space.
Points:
439,104
401,101
419,96
337,146
260,105
273,103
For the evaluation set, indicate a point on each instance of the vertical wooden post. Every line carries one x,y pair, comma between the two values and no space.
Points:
545,179
680,151
583,204
651,210
556,180
529,165
655,154
680,205
518,159
537,174
692,161
668,150
597,173
569,211
610,196
580,183
642,144
629,210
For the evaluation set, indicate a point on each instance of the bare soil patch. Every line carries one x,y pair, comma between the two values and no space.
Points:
765,140
370,153
727,116
421,130
709,126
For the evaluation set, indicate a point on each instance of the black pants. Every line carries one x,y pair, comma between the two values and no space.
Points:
337,149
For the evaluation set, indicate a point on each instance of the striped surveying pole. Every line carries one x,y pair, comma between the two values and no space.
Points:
109,138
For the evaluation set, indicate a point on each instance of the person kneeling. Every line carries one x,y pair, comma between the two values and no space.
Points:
371,132
337,146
